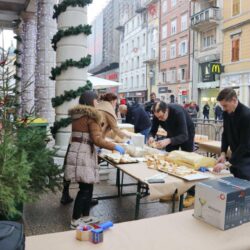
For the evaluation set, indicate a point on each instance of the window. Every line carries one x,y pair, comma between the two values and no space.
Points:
138,42
208,41
163,54
183,48
137,81
132,45
184,22
143,80
235,49
144,39
164,6
163,76
173,75
164,31
126,65
138,62
182,74
122,52
132,82
127,48
173,51
236,7
173,27
132,63
173,3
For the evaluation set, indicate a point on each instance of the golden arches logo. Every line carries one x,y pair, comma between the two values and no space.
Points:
216,68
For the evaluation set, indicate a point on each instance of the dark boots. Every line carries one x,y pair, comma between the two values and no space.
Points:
66,199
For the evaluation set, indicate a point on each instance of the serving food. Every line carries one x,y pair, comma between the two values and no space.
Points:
118,158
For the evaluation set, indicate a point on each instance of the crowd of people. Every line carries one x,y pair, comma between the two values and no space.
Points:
92,120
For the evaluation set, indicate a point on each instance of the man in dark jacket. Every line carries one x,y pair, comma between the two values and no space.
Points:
236,135
137,116
178,124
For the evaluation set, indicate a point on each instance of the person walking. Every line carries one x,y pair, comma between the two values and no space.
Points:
81,161
149,105
236,135
206,109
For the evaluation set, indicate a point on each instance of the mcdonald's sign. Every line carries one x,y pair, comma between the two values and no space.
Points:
216,68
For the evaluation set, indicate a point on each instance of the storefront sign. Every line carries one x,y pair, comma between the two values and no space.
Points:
112,77
162,90
216,68
184,92
207,76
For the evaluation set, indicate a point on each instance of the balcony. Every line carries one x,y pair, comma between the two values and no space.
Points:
204,19
140,7
151,59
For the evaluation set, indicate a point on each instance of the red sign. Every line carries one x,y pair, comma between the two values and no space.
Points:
112,77
184,92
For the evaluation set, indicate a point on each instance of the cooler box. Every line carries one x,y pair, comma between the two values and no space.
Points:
223,203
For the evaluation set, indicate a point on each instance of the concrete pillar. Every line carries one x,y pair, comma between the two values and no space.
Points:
29,62
46,59
72,47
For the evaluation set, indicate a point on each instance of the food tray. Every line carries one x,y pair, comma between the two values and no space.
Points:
188,177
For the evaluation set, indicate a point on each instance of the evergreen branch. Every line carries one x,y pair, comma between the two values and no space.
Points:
18,65
85,29
84,62
71,94
63,123
18,38
18,52
60,8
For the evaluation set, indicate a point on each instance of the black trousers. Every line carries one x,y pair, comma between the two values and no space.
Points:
82,201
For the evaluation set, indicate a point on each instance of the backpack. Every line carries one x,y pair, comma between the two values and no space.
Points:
11,236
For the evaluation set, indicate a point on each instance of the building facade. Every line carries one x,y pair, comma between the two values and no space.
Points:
236,49
103,43
133,49
206,25
174,77
152,56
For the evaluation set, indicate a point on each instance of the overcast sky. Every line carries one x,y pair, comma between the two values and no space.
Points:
95,8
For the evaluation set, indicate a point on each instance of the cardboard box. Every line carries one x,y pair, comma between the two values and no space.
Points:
223,203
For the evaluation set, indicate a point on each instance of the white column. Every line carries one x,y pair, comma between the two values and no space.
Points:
29,61
46,59
72,47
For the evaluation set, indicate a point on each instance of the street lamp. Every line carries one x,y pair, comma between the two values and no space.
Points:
151,76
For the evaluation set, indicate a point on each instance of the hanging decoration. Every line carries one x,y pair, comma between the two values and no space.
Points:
60,8
82,63
85,29
71,94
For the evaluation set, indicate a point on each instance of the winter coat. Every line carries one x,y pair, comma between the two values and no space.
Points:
81,160
206,109
137,116
109,119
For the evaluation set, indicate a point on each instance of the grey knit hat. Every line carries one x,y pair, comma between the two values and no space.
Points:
87,98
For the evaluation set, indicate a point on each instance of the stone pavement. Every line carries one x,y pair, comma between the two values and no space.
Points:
48,215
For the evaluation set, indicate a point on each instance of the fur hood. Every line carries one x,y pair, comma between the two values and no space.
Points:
106,107
87,111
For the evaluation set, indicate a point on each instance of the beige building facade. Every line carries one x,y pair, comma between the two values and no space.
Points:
236,48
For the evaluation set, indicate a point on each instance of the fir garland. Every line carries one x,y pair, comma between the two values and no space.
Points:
18,38
71,94
84,62
18,52
58,9
18,65
63,123
86,29
17,78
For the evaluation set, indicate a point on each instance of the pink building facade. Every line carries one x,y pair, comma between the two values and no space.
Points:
174,80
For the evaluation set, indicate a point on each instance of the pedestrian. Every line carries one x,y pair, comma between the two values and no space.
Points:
149,105
192,111
218,112
81,160
236,135
206,109
107,107
137,116
180,129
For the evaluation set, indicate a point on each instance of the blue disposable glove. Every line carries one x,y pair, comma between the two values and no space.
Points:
119,149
